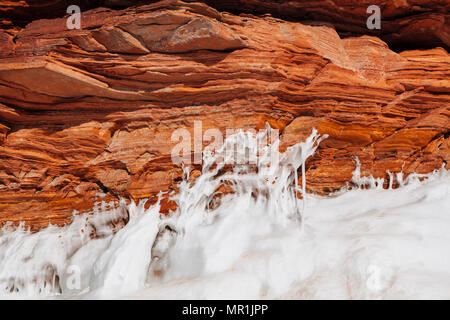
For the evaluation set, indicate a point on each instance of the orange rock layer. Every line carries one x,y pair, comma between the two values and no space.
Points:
87,115
405,24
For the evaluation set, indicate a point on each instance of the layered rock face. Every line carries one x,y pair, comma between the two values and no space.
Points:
405,24
87,115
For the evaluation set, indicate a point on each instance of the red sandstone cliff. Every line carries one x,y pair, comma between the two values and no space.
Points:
91,111
412,23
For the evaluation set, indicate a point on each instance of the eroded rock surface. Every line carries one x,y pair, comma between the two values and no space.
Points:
87,115
405,24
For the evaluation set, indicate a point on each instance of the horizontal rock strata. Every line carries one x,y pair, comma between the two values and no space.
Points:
405,24
87,115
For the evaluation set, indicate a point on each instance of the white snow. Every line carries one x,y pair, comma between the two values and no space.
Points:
259,242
